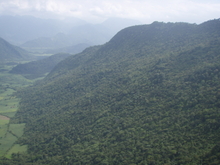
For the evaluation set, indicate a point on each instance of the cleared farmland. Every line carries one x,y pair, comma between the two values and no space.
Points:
9,133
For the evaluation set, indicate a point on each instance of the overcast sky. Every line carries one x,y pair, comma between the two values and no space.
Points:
146,11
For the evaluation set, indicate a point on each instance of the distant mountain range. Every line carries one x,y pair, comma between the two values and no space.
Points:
20,29
9,52
151,95
91,34
41,35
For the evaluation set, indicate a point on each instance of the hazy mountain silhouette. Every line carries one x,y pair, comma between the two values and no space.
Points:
19,29
92,34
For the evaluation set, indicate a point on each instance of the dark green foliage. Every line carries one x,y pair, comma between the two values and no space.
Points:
38,68
9,52
149,96
213,157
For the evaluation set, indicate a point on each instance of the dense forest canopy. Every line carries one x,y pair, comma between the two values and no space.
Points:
151,95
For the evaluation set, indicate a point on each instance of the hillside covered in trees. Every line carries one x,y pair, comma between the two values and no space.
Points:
10,52
39,68
151,95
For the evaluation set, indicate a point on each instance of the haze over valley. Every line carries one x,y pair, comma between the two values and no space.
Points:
45,35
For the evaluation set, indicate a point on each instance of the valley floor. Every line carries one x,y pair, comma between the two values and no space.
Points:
9,133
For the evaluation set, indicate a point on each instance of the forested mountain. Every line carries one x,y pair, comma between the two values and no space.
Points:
10,52
148,96
39,68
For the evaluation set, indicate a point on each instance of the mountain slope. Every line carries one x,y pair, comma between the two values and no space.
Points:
9,52
148,96
39,68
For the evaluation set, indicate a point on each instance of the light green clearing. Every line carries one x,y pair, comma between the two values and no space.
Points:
7,92
5,68
9,133
6,143
13,81
17,129
3,122
8,105
16,149
3,128
9,114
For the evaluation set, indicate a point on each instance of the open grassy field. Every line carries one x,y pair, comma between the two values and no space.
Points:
8,106
16,129
9,133
16,149
3,127
7,143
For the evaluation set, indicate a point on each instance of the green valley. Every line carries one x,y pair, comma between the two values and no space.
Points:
10,133
15,67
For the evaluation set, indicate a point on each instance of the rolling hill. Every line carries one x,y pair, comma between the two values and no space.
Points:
39,68
10,52
148,96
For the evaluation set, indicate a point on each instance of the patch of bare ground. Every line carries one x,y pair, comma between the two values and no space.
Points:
4,118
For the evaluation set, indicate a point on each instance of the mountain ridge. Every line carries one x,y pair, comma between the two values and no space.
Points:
148,96
9,52
142,41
